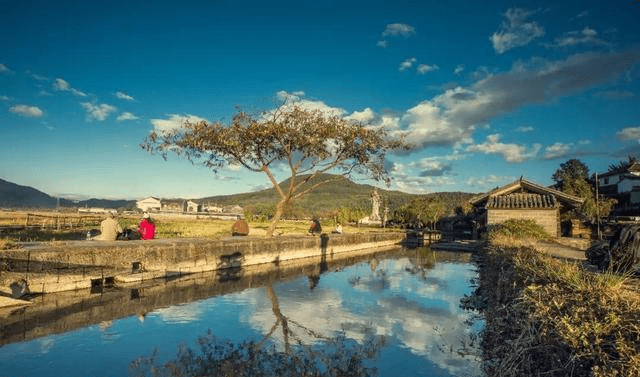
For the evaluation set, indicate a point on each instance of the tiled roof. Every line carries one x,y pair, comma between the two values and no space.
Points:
522,200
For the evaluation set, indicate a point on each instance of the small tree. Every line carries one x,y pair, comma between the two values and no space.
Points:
573,179
308,142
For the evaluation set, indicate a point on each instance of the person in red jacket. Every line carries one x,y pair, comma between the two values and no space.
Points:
147,228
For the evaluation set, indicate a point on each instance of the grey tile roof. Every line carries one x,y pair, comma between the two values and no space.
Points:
522,201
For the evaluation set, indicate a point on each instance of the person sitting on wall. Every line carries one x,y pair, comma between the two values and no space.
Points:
109,229
240,228
338,229
315,227
147,228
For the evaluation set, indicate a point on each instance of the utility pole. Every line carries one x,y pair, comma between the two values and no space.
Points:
598,207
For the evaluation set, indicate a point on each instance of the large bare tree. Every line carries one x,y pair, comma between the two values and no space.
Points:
309,142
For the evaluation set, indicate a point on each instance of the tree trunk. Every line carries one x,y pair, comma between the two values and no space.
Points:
276,216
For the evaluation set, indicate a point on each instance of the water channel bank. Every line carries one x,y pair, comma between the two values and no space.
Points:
46,267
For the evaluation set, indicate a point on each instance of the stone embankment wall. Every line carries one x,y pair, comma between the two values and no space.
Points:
61,266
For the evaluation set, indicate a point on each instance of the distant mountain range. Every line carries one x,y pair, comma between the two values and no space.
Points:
17,196
340,193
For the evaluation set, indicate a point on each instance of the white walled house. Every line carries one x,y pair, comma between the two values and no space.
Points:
193,206
624,186
612,183
149,204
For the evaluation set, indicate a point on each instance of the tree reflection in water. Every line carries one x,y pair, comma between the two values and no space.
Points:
332,356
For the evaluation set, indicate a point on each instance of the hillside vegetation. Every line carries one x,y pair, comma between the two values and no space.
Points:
326,199
343,193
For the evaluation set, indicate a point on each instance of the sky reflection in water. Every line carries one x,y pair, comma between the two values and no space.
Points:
416,308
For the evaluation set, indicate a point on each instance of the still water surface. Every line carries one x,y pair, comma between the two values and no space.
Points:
409,298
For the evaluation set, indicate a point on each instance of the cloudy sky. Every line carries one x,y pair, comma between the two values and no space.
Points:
486,93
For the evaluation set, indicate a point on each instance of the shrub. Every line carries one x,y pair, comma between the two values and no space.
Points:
516,230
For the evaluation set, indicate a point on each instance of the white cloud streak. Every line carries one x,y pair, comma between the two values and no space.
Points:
395,30
424,68
127,116
175,121
27,111
398,29
510,152
629,133
98,112
124,96
516,31
407,64
557,150
454,115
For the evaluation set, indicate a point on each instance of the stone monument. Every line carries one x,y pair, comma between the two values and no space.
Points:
375,201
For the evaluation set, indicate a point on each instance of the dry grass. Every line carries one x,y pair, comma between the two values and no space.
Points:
551,317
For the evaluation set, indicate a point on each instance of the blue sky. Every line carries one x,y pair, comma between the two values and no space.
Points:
486,93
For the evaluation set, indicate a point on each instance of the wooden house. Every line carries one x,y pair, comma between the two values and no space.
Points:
526,201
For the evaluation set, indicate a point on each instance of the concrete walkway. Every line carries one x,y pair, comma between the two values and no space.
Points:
565,248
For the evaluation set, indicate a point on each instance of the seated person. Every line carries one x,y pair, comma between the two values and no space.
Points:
109,229
338,229
147,228
315,227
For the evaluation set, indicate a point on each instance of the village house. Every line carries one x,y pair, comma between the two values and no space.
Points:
150,204
153,204
623,186
524,200
193,206
173,205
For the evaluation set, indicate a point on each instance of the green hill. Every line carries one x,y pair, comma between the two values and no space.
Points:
338,194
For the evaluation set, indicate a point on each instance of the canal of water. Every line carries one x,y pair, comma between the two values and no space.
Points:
392,313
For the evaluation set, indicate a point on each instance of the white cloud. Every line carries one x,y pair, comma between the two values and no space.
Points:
557,150
61,85
364,116
525,129
454,115
78,93
395,30
582,14
516,31
459,69
175,121
398,29
98,112
297,99
490,180
510,152
629,133
407,64
5,69
424,68
5,98
573,38
26,110
127,116
124,96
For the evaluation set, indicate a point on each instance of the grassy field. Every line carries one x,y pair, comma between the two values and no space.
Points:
43,227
